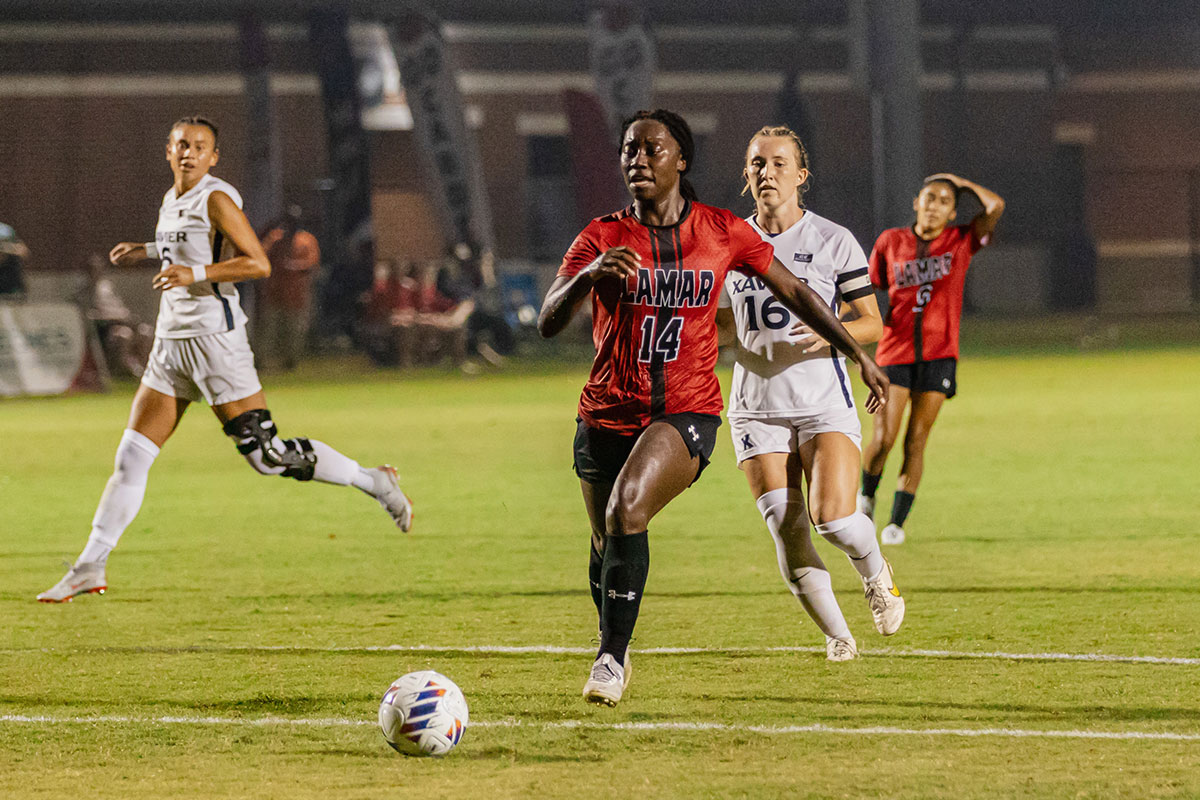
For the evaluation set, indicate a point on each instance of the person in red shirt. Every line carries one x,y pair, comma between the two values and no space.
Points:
649,412
286,296
923,268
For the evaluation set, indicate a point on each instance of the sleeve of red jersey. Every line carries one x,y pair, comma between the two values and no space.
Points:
877,263
747,250
582,251
977,243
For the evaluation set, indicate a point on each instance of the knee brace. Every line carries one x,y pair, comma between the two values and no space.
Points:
257,439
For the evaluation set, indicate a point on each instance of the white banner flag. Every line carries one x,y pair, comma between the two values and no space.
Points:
43,347
440,125
622,59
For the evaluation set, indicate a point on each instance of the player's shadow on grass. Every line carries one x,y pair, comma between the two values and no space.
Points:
251,707
518,756
406,594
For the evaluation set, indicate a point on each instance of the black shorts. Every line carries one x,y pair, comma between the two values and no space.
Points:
600,453
926,376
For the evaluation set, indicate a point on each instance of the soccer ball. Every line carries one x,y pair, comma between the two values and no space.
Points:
423,714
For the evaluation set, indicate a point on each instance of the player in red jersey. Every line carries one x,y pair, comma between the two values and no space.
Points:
649,412
924,269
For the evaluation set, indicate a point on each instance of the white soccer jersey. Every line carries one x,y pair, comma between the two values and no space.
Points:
185,236
772,376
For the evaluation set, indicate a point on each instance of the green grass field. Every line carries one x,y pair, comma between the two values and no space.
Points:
242,647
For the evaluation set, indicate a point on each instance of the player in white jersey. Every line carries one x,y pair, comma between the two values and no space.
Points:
791,409
205,244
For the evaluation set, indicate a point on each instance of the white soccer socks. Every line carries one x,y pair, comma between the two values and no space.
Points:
122,496
802,569
855,536
333,467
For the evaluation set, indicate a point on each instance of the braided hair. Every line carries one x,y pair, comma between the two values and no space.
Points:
801,155
682,134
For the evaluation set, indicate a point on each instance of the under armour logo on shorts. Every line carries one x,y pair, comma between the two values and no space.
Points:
692,431
946,383
746,443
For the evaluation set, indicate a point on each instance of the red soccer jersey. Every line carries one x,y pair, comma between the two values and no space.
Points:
655,334
924,282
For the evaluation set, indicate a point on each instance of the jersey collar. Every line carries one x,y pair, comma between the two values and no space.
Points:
753,220
199,183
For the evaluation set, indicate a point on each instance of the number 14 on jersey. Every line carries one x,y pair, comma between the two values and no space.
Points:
664,342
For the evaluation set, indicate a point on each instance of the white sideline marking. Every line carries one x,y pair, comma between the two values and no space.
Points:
502,649
878,651
636,727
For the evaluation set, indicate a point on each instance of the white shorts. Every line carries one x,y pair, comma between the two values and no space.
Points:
753,437
218,368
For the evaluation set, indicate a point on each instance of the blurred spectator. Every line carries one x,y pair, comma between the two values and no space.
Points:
125,341
441,322
473,275
389,309
285,299
410,321
13,253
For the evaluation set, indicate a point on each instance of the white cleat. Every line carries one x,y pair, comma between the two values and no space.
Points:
840,649
85,578
606,683
866,505
883,596
387,492
891,534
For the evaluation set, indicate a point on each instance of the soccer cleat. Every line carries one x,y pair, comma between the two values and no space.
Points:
883,596
892,534
628,664
606,683
866,505
387,492
85,578
840,649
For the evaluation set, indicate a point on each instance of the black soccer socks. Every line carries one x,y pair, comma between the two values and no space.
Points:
622,579
870,483
595,562
901,505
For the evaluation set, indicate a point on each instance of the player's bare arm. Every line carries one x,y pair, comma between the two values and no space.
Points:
993,204
726,327
250,264
807,304
860,317
128,253
567,294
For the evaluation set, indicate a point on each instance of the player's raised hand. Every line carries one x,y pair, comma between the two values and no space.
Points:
876,380
173,275
809,341
617,262
127,253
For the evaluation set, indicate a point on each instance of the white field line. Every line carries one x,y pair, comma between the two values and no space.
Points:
535,649
875,652
634,727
